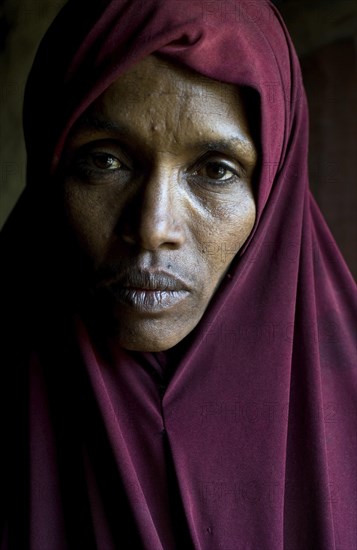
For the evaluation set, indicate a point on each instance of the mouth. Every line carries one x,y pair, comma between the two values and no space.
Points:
149,301
147,291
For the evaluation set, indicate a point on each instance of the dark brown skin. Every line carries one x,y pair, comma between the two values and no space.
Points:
164,185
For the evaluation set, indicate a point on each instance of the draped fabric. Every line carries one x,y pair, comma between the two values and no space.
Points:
243,436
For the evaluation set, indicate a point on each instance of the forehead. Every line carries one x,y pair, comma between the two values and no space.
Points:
159,101
156,80
161,78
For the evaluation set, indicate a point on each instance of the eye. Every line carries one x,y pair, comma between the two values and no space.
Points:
94,164
216,171
105,161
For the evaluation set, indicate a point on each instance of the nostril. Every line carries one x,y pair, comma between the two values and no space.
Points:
151,234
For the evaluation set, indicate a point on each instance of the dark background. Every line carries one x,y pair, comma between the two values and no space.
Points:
325,36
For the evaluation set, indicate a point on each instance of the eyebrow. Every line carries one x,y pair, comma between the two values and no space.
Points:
231,144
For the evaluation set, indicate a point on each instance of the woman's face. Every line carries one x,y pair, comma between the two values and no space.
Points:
158,200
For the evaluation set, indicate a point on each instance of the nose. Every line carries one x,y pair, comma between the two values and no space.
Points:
155,217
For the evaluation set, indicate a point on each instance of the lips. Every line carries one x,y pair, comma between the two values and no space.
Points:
149,301
149,280
147,291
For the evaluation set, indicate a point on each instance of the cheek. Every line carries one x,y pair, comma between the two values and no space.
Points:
90,218
231,225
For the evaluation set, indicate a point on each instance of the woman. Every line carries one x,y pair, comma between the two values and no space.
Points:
180,365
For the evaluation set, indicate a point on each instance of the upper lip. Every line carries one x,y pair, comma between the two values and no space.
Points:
144,279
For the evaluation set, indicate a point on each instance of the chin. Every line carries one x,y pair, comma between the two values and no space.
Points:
149,341
140,332
147,345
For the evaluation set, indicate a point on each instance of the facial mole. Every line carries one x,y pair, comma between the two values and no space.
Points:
154,127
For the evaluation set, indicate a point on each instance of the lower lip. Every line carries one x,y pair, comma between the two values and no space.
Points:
150,301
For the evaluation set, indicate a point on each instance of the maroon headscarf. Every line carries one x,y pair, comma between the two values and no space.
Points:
251,442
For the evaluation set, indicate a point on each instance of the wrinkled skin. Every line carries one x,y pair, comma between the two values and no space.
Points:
158,176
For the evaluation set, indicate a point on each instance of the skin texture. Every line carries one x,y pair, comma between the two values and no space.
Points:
157,175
